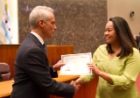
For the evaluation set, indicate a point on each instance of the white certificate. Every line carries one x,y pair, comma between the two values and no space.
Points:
76,64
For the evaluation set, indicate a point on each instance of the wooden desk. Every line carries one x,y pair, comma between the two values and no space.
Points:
87,90
6,86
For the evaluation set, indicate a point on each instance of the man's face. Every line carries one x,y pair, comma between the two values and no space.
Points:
49,27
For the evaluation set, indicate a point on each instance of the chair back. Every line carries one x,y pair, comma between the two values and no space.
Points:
5,71
56,60
138,83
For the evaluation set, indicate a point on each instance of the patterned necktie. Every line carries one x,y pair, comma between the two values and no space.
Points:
44,47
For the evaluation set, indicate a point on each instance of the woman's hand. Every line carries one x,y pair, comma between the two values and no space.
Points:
94,69
98,72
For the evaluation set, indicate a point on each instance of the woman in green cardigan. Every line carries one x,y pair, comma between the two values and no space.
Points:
117,63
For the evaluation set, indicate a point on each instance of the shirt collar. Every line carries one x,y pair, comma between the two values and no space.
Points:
38,37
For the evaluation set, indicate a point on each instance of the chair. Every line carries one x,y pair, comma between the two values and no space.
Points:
55,61
138,83
5,71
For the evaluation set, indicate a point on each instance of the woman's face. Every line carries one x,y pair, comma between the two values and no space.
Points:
110,33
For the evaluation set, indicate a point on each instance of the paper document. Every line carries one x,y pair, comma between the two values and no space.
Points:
76,64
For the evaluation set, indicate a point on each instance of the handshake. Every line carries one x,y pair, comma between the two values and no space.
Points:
76,84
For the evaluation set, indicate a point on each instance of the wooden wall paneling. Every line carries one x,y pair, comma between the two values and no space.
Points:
81,92
55,52
8,55
87,90
90,88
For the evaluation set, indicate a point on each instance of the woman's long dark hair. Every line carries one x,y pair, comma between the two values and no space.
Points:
125,37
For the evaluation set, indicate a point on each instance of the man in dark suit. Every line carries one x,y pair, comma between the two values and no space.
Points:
33,76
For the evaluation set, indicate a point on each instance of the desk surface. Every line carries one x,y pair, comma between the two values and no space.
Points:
6,86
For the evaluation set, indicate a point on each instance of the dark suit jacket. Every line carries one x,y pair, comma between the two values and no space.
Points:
33,76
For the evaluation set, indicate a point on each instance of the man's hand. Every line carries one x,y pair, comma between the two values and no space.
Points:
77,86
57,66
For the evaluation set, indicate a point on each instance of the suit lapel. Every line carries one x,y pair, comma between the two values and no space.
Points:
34,38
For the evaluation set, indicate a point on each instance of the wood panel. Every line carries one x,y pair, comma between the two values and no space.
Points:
55,52
87,90
6,88
8,53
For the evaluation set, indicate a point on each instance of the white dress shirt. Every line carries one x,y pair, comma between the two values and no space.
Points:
38,37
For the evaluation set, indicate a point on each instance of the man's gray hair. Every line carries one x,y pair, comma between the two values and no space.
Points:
39,12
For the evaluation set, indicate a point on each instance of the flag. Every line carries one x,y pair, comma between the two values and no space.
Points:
5,27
